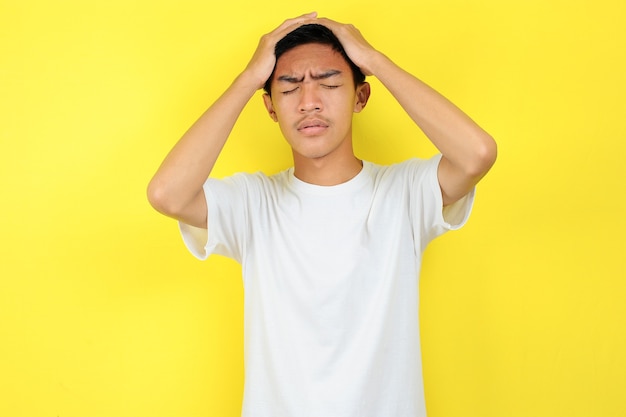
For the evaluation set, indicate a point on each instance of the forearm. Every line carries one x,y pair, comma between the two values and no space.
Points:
176,189
464,144
179,179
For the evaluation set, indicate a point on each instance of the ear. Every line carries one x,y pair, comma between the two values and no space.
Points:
269,106
362,95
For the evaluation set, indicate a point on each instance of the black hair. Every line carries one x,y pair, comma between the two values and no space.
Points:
312,33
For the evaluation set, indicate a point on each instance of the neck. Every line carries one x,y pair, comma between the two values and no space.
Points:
323,171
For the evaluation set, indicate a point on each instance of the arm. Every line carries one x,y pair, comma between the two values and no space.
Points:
176,188
468,152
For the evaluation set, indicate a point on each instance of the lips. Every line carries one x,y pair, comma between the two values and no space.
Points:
312,126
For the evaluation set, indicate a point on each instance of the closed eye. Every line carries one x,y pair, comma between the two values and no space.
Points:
330,86
289,91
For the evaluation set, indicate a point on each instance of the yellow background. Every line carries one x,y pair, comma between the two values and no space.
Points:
104,313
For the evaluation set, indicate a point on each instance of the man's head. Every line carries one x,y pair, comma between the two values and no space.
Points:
313,33
316,91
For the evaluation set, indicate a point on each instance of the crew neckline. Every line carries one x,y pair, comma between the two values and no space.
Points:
354,183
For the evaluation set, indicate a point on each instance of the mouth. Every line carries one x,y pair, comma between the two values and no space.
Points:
312,126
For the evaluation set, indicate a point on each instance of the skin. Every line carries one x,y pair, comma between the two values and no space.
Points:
313,100
317,121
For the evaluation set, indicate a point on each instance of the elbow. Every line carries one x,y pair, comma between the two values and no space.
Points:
485,155
159,198
166,198
155,195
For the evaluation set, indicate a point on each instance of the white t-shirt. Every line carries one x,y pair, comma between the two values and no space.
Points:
331,285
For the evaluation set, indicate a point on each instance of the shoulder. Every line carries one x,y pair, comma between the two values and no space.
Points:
408,170
247,186
251,179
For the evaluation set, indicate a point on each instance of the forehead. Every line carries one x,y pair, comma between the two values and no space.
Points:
310,58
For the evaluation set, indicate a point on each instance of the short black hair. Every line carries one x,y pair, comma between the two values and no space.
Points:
312,33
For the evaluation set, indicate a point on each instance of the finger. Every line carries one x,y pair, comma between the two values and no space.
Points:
310,15
292,24
299,20
329,23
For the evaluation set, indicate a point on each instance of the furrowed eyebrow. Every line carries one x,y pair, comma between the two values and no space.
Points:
294,80
290,79
327,74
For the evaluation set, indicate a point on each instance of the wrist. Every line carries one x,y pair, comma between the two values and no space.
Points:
376,63
249,80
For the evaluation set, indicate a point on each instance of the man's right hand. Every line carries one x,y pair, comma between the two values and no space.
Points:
176,189
263,61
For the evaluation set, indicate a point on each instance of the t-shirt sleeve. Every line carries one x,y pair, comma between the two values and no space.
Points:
226,220
436,219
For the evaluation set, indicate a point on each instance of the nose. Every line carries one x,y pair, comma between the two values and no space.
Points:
309,99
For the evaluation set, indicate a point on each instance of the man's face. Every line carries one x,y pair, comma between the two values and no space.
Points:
313,100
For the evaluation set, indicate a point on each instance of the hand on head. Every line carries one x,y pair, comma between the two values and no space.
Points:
356,47
263,60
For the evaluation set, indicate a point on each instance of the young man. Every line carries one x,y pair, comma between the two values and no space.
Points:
330,249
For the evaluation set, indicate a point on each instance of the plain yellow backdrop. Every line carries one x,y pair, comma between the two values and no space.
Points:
103,312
